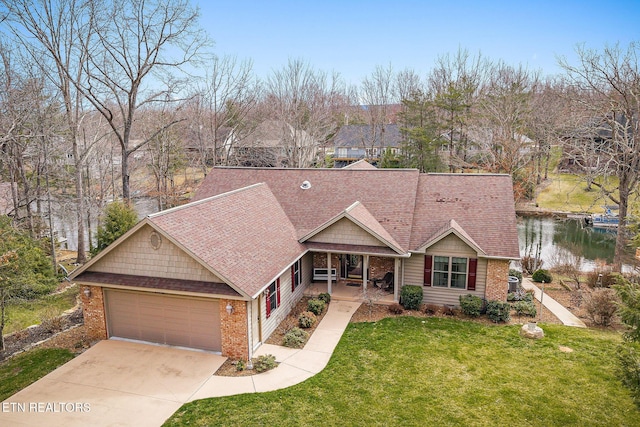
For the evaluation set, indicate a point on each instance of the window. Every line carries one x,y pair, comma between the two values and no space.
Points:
272,294
296,274
450,272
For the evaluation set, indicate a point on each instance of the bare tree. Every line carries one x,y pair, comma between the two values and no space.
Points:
124,54
307,101
56,36
505,109
607,83
223,104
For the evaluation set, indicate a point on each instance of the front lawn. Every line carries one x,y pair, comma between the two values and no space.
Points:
27,368
438,371
22,314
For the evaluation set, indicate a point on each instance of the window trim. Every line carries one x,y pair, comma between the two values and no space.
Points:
470,272
269,296
296,275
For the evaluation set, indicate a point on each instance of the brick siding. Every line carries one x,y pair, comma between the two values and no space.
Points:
235,344
497,280
93,312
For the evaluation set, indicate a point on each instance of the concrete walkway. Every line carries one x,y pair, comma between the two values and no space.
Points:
566,317
295,365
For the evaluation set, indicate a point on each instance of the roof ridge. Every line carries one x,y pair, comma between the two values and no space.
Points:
208,199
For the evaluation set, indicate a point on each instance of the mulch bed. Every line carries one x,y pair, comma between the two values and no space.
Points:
66,331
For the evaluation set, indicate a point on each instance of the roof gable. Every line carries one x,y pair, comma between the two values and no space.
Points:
363,221
243,234
452,227
481,204
388,194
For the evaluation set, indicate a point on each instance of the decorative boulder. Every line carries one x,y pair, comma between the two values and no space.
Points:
531,330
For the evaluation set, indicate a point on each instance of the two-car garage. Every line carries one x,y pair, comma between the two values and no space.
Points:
164,319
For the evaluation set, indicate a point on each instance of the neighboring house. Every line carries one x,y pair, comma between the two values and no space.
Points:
356,142
221,272
272,143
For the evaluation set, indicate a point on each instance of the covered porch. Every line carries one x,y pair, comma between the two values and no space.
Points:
344,290
357,274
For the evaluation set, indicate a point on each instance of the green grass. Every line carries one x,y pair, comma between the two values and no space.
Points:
22,314
26,368
415,372
567,192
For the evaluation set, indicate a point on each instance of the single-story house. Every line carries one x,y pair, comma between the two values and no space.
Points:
221,272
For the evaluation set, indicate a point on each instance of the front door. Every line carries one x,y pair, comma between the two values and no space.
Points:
351,266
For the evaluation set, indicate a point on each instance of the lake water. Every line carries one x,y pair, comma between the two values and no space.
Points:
561,241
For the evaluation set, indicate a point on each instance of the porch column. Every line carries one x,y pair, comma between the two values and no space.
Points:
329,273
396,278
365,267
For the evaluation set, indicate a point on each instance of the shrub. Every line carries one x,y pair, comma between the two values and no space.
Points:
498,311
601,305
51,321
295,338
316,306
411,297
396,308
265,362
325,297
526,308
240,365
520,295
307,319
629,367
471,305
431,308
601,279
541,275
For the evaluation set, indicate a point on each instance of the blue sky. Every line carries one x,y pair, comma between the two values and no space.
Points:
352,37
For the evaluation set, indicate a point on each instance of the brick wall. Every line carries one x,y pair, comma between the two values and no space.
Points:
379,266
93,312
235,344
497,280
320,261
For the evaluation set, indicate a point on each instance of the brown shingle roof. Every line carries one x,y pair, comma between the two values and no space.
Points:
411,207
482,205
243,235
388,194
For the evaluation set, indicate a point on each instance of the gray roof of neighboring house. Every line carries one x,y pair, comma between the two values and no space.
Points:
367,136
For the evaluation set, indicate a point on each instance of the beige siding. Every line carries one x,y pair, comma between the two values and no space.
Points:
452,246
136,256
288,299
449,246
346,232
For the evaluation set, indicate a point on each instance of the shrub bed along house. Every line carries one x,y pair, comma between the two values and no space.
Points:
307,319
498,311
295,338
471,305
411,297
316,306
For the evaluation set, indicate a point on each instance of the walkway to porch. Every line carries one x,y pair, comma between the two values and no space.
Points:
344,290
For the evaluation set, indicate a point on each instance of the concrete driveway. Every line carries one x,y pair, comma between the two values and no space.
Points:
114,383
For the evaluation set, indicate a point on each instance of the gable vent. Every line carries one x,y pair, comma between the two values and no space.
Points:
305,185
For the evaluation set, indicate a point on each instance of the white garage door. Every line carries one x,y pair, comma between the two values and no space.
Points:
173,320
